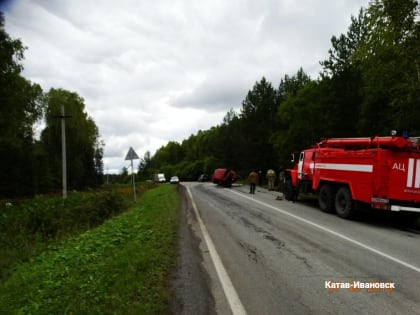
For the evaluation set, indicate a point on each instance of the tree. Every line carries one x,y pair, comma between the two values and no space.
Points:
144,163
304,117
292,119
21,106
390,58
290,85
258,121
84,149
379,59
233,143
98,163
341,55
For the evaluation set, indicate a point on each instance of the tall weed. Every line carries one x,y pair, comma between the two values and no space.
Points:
28,226
120,267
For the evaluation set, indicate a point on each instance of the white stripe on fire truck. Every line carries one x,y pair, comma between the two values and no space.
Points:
417,181
345,167
413,175
410,172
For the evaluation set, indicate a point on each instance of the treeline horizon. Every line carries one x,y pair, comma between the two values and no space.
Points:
369,85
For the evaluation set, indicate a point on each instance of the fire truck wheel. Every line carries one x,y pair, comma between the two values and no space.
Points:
344,203
326,198
288,190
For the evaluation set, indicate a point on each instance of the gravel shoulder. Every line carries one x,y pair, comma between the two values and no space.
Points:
190,285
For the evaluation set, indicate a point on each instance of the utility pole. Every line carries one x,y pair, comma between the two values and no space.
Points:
63,151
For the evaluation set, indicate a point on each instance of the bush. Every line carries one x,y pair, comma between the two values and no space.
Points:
27,227
120,267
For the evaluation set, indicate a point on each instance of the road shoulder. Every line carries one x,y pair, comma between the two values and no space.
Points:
190,289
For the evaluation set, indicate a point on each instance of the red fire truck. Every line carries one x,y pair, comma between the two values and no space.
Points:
349,174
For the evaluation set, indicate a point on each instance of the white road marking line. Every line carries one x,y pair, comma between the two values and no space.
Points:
228,288
367,247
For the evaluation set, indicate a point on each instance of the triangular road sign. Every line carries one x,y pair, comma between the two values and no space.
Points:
131,155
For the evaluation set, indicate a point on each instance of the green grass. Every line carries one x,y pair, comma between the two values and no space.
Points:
120,267
28,226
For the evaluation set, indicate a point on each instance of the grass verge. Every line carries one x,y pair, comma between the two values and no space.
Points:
120,267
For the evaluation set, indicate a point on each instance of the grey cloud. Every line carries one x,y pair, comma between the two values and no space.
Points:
213,95
144,66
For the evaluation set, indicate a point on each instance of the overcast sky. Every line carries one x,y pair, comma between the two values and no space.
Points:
153,71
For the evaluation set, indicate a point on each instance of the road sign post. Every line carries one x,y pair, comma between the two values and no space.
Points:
132,155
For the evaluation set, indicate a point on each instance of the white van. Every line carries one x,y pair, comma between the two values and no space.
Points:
160,178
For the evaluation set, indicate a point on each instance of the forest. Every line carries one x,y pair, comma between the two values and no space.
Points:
369,85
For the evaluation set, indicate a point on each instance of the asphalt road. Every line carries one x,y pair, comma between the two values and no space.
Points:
279,257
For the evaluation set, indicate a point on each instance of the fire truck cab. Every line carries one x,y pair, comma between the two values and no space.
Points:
349,174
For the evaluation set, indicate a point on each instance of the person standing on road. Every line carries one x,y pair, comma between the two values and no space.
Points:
271,177
253,180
